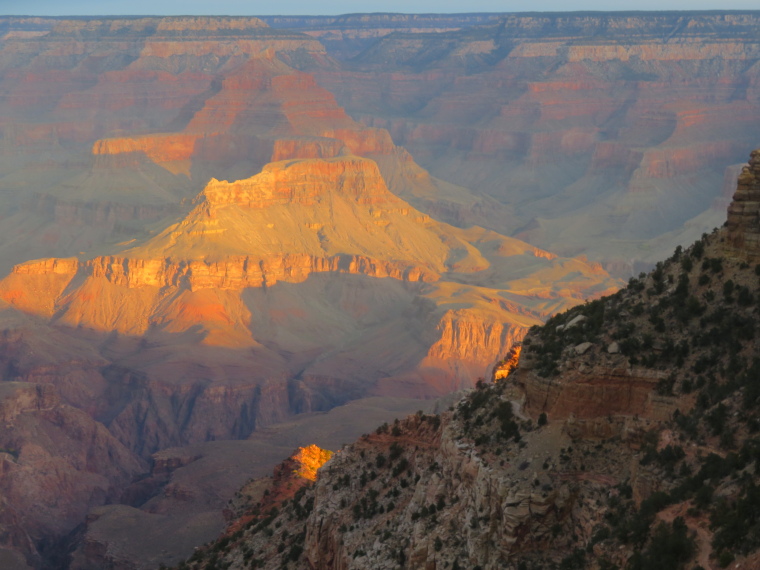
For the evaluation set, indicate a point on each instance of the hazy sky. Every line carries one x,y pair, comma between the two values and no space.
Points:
257,7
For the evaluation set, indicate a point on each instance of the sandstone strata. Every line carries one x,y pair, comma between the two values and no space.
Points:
420,493
744,212
56,463
278,294
192,492
599,444
223,324
555,115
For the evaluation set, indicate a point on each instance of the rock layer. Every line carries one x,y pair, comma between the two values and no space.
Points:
588,128
744,212
55,464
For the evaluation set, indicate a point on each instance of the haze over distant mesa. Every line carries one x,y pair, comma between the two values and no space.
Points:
220,233
337,7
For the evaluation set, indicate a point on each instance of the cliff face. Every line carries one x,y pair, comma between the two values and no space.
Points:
112,126
277,295
579,113
622,438
55,464
112,118
588,128
295,287
246,251
744,212
158,65
244,272
346,36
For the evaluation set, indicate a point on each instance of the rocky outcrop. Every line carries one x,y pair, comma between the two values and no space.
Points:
158,148
138,54
571,371
553,114
598,449
194,492
594,392
467,340
509,363
141,112
279,294
292,290
306,147
55,464
421,493
305,183
744,212
242,273
457,507
112,123
347,35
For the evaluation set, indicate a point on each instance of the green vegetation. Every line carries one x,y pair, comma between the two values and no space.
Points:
693,321
670,548
690,328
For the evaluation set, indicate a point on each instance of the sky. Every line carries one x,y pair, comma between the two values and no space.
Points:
330,7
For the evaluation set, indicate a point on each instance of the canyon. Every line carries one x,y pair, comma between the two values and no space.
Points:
597,134
212,242
624,435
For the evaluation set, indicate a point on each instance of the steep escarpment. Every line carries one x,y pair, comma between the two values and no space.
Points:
225,249
291,117
625,437
295,282
744,212
94,136
244,270
56,463
347,35
302,288
578,113
572,121
192,493
160,66
111,126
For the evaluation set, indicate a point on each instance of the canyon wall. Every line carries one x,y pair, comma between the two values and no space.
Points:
744,212
588,130
600,134
295,290
594,448
95,138
56,463
201,243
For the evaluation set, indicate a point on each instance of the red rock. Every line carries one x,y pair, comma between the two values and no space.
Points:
56,463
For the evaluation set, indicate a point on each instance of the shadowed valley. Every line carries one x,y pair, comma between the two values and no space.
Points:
214,250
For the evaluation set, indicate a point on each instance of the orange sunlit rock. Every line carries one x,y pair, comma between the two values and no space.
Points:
309,459
509,364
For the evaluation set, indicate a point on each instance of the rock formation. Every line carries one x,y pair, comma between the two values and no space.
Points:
577,113
204,244
571,123
744,212
295,281
242,280
56,463
625,437
193,493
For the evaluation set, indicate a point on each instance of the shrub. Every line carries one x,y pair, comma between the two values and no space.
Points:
671,548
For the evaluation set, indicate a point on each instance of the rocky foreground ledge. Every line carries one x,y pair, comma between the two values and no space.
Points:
625,437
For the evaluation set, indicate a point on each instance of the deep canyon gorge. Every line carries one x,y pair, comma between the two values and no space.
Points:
226,237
